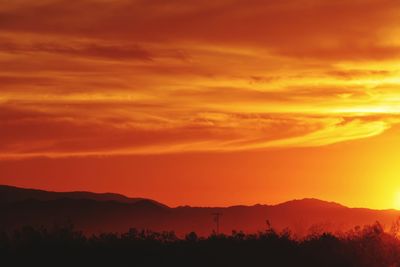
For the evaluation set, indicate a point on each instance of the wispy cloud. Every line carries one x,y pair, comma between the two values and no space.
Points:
99,77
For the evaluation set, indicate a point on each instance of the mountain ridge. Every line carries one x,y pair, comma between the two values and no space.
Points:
10,193
99,212
110,196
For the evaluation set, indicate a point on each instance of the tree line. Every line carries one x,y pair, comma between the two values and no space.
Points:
65,246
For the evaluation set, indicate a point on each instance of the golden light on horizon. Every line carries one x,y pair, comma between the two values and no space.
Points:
396,204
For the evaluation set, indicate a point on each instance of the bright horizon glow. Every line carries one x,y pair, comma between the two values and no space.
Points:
396,204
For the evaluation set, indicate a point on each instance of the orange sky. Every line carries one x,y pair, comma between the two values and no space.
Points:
203,102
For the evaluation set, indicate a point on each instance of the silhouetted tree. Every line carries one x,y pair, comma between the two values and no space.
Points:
368,246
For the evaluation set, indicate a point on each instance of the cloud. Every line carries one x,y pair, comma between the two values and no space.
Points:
306,28
14,79
34,132
117,52
99,77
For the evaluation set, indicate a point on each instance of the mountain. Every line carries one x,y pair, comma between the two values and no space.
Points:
93,213
14,194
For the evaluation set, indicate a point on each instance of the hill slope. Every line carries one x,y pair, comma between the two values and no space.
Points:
15,194
92,212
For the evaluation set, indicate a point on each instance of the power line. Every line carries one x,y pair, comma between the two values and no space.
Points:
217,216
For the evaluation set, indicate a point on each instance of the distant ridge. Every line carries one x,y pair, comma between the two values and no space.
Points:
16,194
109,212
311,202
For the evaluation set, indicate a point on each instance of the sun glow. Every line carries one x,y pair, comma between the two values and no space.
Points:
396,203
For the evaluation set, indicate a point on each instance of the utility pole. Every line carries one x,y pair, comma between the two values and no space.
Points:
216,216
267,222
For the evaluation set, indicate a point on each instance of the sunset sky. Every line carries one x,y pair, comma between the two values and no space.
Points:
203,102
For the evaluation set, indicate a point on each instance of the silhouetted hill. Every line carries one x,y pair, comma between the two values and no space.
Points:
93,212
15,194
312,203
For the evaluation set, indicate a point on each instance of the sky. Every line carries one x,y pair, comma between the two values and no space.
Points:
203,103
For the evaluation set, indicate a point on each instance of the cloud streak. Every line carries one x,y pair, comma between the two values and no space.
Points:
67,134
99,77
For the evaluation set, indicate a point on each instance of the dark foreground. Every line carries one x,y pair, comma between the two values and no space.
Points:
63,246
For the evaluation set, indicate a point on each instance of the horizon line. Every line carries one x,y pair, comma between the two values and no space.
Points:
205,206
